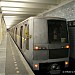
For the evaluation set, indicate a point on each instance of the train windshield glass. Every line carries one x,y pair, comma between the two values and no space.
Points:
57,31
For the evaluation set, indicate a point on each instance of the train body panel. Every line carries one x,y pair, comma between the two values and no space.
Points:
71,25
43,40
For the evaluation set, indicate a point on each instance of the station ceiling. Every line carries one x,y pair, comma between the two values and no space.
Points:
15,11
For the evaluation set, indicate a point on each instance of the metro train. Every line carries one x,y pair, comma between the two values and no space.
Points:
44,42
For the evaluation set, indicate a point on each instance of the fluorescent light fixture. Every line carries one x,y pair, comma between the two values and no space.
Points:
11,12
20,9
9,4
37,1
13,4
25,5
10,16
10,9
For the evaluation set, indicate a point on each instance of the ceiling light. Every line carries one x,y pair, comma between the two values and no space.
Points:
10,9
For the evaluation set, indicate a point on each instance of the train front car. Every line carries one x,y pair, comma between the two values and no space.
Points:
50,44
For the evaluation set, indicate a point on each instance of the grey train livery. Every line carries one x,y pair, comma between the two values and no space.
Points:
43,41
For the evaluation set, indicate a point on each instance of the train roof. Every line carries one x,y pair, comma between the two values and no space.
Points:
48,18
36,17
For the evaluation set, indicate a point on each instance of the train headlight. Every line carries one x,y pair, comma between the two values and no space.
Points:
66,62
40,48
67,46
36,48
36,65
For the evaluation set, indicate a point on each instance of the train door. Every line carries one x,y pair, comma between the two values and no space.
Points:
21,30
27,36
16,35
57,38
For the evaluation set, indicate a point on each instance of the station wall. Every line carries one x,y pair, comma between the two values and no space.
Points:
66,11
2,28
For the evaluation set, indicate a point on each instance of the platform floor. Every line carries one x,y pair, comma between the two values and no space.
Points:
11,60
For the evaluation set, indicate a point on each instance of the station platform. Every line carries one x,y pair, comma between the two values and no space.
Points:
11,60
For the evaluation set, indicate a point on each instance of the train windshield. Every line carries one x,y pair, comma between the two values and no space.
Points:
50,31
57,31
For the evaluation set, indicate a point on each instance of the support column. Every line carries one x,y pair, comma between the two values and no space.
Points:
0,28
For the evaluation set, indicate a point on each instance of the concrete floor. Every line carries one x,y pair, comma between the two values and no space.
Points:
11,60
3,56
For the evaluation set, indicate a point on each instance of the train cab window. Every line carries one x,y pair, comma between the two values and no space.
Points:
27,36
57,31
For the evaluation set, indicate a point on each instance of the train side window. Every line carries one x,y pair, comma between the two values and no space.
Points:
21,32
27,36
57,31
25,24
16,35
